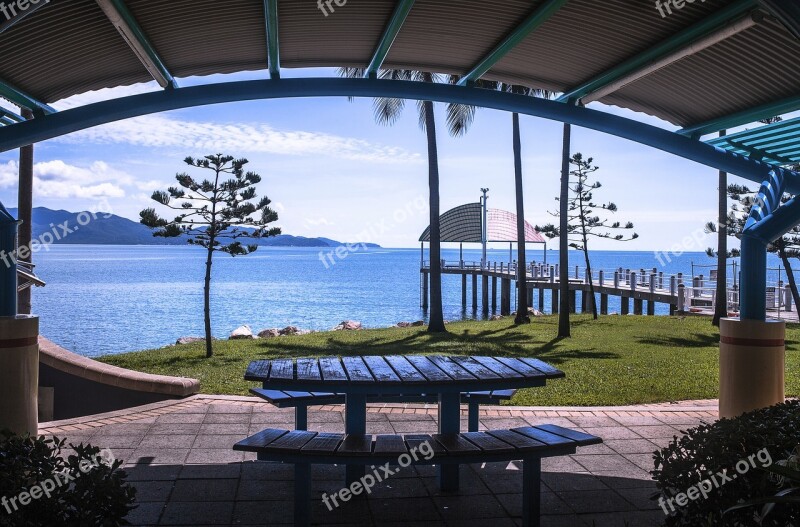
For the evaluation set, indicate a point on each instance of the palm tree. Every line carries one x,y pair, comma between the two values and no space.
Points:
459,118
522,280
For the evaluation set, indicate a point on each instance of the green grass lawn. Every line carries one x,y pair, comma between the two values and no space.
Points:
615,360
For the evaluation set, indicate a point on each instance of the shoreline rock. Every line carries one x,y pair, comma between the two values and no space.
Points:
242,333
348,325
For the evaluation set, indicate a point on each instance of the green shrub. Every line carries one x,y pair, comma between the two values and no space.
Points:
709,449
39,487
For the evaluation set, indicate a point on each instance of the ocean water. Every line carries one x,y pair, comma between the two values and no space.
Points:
112,299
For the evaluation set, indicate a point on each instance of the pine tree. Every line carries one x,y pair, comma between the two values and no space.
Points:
585,219
214,214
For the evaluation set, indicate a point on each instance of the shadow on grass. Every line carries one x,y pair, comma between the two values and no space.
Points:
687,341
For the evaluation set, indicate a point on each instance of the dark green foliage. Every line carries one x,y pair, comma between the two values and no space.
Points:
97,497
708,449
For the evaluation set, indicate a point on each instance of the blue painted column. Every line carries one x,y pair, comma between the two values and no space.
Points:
8,267
754,249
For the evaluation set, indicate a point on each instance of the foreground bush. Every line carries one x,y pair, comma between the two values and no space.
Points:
702,466
38,487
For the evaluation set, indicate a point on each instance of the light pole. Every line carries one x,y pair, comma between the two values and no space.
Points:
484,228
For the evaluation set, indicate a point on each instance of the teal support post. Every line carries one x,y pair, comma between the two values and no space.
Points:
449,423
355,422
753,304
302,494
8,268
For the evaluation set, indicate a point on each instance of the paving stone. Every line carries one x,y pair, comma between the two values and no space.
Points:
227,418
657,432
118,441
219,471
595,501
197,513
613,432
153,490
229,409
204,490
217,441
158,456
174,428
597,463
181,418
415,427
456,508
239,429
640,497
629,519
561,481
552,504
214,456
630,446
410,509
265,490
145,514
167,441
262,513
636,421
593,421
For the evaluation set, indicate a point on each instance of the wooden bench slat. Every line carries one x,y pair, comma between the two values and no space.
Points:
415,440
380,369
519,441
260,440
475,368
428,369
323,443
552,373
544,436
257,370
356,445
499,368
271,395
575,435
356,370
455,443
293,441
451,368
282,369
488,443
503,394
308,370
332,370
404,369
300,395
390,444
525,369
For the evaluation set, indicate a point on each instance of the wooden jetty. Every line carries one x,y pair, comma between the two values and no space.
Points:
639,290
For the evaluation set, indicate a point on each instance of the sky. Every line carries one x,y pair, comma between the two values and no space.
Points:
331,171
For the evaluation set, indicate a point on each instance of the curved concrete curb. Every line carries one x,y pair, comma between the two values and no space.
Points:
65,361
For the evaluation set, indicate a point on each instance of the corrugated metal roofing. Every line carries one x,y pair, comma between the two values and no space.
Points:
463,224
69,47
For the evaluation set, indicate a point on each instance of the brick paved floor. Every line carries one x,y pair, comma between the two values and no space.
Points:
178,455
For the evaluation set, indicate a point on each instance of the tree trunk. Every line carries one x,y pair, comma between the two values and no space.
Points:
522,273
25,211
790,277
436,323
563,242
207,302
721,301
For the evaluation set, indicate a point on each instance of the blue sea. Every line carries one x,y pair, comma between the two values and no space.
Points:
103,300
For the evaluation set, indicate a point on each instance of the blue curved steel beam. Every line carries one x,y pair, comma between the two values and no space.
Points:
68,121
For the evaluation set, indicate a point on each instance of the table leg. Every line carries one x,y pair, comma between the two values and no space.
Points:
355,422
449,423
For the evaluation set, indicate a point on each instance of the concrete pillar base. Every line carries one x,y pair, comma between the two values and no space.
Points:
19,374
751,365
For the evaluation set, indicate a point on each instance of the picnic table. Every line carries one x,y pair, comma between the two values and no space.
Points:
359,376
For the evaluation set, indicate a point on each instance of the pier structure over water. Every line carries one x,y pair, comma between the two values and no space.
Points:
638,290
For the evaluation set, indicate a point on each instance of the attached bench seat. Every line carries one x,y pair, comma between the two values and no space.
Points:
530,444
300,401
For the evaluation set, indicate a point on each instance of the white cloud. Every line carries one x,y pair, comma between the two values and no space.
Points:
57,179
160,131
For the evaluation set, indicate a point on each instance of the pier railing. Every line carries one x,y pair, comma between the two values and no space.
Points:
684,293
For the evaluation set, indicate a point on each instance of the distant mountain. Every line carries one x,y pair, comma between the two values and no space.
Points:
101,229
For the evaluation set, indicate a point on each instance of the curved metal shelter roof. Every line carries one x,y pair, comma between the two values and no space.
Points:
463,224
661,61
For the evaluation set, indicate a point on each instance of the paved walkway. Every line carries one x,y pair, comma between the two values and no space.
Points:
178,455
